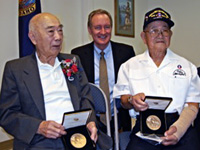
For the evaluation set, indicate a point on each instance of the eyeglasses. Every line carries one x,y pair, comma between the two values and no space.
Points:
155,32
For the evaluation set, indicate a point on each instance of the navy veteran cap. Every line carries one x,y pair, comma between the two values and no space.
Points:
157,14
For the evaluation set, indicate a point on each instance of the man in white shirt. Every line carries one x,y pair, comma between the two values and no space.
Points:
160,72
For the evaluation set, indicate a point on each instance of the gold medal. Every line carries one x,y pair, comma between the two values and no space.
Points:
153,122
78,140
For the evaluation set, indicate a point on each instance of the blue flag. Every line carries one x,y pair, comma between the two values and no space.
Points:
27,9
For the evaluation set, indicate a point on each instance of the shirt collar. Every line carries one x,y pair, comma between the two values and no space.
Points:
45,65
169,56
107,50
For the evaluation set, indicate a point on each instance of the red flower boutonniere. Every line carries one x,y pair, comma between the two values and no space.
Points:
69,68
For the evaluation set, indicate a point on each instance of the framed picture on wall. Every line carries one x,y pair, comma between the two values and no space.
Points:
124,18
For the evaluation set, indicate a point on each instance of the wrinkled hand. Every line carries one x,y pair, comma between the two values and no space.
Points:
170,138
138,102
51,129
93,130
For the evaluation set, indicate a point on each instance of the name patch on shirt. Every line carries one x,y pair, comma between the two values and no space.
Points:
179,71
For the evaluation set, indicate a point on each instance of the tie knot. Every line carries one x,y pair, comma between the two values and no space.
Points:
102,54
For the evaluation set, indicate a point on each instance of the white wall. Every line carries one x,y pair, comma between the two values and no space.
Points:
8,40
186,32
73,15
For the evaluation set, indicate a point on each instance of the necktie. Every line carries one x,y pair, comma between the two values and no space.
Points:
103,75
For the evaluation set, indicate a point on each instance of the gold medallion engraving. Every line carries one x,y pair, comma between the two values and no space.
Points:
78,140
153,122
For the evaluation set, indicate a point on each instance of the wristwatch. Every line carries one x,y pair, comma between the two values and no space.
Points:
130,99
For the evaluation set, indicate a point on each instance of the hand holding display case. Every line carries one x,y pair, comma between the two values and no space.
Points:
78,136
153,120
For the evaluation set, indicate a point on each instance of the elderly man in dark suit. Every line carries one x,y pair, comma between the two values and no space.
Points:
35,92
100,28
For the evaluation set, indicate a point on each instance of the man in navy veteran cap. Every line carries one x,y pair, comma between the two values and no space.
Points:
159,72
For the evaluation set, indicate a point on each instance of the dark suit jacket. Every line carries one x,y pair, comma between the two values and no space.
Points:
22,102
121,53
198,70
197,120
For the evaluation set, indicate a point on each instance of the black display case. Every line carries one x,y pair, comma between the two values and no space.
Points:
153,120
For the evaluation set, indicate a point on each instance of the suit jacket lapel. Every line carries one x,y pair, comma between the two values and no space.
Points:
74,97
71,86
116,58
33,84
89,63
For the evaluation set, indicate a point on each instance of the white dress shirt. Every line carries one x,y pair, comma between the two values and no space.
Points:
176,77
56,95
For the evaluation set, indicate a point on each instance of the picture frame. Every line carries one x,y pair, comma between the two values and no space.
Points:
124,18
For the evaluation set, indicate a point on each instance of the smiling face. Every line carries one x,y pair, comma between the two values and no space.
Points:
47,35
100,30
157,36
